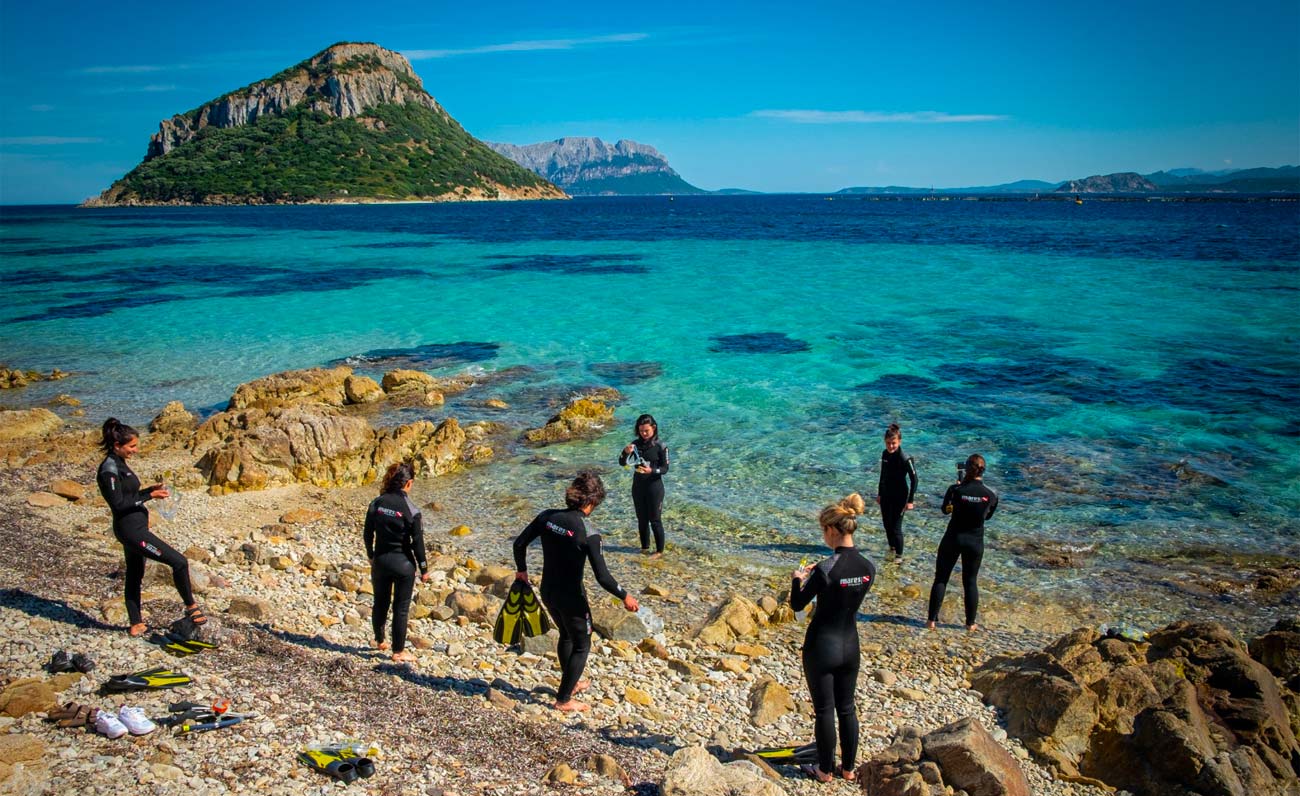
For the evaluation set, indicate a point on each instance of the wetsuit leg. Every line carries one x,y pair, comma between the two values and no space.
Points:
574,623
143,542
382,581
891,517
846,687
821,687
403,585
648,498
134,575
943,564
972,553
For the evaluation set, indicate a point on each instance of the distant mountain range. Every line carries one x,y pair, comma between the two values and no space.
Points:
1284,179
590,167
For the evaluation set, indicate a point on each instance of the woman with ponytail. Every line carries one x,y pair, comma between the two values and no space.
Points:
121,490
830,647
394,537
969,503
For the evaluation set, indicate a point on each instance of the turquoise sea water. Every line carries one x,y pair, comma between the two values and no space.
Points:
1086,351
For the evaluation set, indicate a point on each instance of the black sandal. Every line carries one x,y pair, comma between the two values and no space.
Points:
195,615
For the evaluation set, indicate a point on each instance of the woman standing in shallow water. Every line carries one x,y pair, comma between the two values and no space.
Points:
970,503
651,457
394,538
830,648
896,489
121,490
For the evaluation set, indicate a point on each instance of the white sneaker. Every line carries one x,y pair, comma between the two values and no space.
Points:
135,720
107,724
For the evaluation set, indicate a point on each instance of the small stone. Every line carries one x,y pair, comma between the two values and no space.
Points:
561,774
636,696
254,608
313,562
280,563
884,677
909,694
656,591
461,530
911,591
68,489
45,500
300,516
653,648
496,403
751,651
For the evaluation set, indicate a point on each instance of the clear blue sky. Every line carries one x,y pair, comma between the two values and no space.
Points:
783,96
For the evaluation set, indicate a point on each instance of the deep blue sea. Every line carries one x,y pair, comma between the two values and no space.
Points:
1131,370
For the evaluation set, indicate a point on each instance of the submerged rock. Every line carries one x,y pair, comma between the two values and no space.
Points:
585,416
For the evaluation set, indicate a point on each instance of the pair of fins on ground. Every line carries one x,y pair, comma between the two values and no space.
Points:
521,615
344,762
182,639
195,717
153,679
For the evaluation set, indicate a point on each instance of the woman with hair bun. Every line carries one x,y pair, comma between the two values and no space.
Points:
394,537
970,503
122,491
896,490
830,647
651,458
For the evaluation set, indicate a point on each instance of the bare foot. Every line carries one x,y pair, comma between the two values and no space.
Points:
849,774
572,706
403,657
382,645
972,627
930,625
815,773
582,685
136,631
656,556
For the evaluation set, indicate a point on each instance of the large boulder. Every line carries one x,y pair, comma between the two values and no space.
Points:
692,771
584,417
23,423
1188,712
361,390
408,381
769,701
610,619
435,449
1279,650
174,421
736,618
316,445
971,760
292,388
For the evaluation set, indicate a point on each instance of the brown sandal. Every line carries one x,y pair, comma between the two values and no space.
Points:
73,715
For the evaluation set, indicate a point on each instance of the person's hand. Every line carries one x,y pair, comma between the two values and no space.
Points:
910,506
802,572
643,469
521,577
425,578
630,603
628,449
159,492
877,500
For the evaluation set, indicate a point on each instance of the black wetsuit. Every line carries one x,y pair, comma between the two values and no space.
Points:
830,648
970,504
896,489
121,489
568,543
648,491
394,537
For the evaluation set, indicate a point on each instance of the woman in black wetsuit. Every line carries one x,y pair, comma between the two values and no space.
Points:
125,497
970,503
830,647
896,489
647,481
394,537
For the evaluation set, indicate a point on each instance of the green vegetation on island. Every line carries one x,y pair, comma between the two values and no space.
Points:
395,152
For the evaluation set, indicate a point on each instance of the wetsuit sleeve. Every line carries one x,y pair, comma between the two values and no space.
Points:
993,504
948,499
601,571
369,533
911,480
417,542
522,541
663,452
802,593
622,457
115,492
880,482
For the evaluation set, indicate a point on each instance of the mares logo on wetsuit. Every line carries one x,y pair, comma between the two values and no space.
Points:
846,583
389,512
561,530
151,548
974,499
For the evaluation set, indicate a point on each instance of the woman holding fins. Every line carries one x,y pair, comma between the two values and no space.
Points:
650,456
970,503
394,539
568,543
126,498
830,648
896,490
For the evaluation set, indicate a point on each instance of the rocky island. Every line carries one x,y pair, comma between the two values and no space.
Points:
352,123
590,167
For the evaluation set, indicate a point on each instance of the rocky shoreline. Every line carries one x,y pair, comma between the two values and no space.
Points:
282,571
